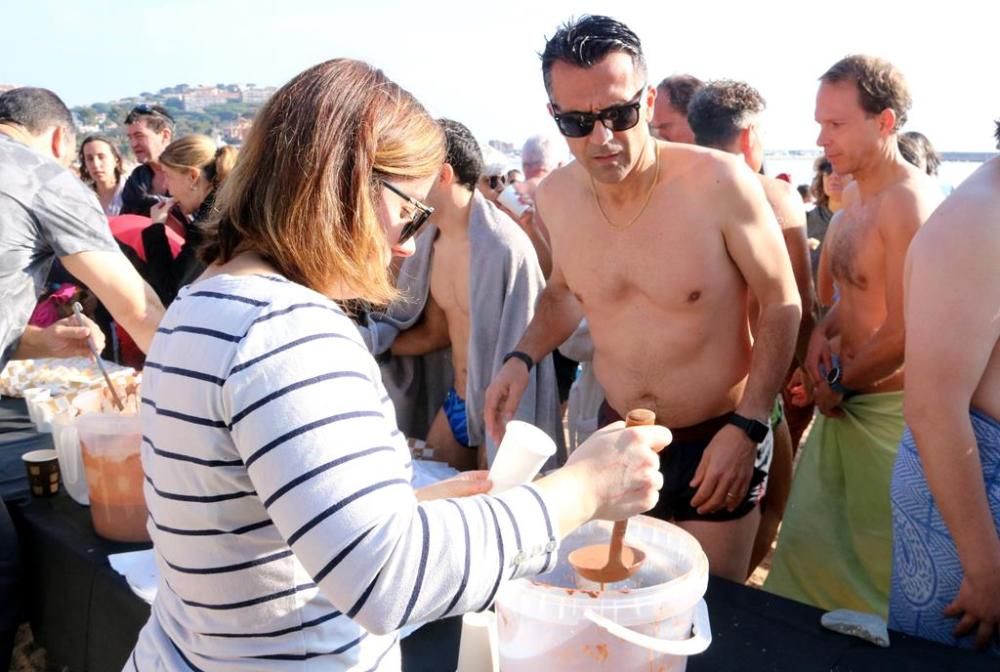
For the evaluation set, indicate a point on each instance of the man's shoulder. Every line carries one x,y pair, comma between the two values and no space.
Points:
141,174
32,170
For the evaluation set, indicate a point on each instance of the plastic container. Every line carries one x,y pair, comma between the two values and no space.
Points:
652,621
111,459
521,454
67,443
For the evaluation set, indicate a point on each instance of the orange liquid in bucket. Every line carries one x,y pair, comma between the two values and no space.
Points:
115,478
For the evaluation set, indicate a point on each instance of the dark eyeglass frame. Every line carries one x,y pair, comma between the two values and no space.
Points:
610,117
423,213
151,111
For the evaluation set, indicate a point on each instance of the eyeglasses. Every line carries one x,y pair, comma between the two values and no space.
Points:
423,212
151,110
615,118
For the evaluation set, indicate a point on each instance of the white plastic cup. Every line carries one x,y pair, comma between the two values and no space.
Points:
520,456
67,443
478,649
511,199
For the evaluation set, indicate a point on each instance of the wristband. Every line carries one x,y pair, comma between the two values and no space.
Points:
524,357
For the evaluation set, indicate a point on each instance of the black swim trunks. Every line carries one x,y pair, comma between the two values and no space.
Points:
679,462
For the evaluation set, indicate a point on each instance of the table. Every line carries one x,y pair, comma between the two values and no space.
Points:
87,617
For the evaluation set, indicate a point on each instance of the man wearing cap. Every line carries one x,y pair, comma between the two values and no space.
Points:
150,129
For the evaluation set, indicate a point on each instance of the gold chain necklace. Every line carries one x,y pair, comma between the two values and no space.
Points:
649,194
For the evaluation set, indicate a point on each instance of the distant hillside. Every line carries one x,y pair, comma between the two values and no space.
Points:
223,112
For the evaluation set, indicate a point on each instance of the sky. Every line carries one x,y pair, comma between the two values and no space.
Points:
477,61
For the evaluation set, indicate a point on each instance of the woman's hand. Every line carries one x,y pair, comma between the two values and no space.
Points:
466,484
613,475
158,213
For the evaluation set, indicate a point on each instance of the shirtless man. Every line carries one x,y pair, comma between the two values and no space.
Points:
459,219
670,120
726,115
940,482
835,546
658,245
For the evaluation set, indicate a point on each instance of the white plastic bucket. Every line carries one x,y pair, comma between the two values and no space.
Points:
652,621
67,444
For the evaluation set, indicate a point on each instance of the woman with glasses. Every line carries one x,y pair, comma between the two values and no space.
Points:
283,520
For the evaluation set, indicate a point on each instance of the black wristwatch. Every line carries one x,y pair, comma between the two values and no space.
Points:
833,380
755,429
523,356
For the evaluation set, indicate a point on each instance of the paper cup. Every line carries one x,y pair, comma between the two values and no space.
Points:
477,651
67,443
43,472
510,199
520,456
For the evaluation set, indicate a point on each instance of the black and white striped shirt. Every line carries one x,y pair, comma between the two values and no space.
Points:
286,531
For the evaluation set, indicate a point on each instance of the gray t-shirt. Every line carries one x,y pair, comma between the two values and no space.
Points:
45,212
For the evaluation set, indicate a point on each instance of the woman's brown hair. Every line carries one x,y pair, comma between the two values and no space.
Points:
303,194
198,151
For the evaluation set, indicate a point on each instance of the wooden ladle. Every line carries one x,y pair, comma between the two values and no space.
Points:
610,563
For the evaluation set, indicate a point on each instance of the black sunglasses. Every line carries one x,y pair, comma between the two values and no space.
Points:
423,212
615,118
826,168
495,181
152,110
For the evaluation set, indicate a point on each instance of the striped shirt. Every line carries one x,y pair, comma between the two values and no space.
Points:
285,528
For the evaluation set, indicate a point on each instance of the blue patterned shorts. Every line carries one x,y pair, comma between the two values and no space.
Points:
926,573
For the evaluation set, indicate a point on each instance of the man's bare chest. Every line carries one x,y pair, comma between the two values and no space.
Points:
856,252
450,277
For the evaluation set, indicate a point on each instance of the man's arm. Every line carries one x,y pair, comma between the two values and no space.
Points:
792,218
952,300
881,355
754,243
557,315
758,251
428,335
131,302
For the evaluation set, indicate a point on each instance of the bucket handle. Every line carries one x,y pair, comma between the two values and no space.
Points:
700,639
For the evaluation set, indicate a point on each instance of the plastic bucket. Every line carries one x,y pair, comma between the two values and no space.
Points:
67,444
652,621
110,446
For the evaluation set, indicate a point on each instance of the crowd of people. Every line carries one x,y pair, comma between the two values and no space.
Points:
361,273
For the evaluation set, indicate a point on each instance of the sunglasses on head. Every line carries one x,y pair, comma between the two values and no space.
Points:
152,110
423,212
615,118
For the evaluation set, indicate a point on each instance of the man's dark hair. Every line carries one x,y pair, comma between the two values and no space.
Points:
464,155
679,90
917,149
584,42
880,85
156,117
35,109
720,110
